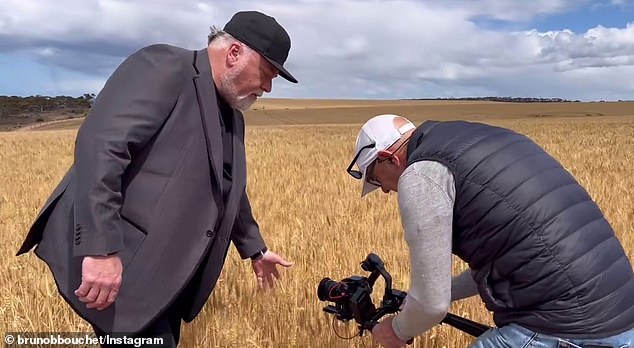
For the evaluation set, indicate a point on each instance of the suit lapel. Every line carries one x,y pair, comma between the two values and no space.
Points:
206,95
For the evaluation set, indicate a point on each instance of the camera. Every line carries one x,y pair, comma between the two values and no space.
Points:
352,296
352,299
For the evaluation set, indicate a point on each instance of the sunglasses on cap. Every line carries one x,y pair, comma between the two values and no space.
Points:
357,174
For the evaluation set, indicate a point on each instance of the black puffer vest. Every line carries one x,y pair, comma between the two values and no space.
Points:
541,251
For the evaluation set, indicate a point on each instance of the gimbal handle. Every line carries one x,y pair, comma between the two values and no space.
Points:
375,265
465,325
392,302
382,311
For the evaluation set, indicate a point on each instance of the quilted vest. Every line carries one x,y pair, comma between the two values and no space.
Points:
541,252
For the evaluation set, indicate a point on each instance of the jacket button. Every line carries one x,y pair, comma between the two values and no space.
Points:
210,233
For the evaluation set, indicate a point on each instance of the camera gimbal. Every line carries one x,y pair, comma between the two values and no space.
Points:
351,297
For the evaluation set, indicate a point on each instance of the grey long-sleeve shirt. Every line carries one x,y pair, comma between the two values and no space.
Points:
426,195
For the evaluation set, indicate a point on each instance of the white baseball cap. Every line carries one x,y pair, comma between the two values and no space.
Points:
377,134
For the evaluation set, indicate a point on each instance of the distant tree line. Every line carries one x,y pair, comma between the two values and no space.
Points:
507,99
14,105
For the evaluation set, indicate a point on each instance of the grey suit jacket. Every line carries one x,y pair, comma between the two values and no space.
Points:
146,183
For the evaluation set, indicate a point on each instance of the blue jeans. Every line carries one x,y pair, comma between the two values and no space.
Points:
515,336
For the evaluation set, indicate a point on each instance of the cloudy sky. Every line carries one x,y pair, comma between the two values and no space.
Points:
573,49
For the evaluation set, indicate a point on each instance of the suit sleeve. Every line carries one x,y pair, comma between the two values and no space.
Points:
246,232
131,108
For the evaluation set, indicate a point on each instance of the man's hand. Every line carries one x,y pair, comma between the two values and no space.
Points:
265,268
384,335
100,281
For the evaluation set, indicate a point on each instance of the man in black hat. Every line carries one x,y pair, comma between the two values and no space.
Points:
137,231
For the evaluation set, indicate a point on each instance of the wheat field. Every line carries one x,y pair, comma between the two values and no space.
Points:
310,212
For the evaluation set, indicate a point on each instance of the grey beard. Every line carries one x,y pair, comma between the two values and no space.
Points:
229,93
243,103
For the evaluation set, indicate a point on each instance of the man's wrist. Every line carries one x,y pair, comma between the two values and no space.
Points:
258,255
397,330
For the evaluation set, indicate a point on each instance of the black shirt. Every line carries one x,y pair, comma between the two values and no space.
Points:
226,129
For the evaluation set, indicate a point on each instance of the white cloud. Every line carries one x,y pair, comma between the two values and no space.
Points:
597,47
509,10
347,49
70,22
65,86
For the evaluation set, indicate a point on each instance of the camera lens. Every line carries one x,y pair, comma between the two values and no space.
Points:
330,290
